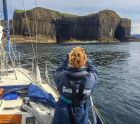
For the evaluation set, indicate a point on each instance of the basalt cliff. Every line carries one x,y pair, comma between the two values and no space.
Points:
105,25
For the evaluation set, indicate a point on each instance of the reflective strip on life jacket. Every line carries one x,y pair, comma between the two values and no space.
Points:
66,100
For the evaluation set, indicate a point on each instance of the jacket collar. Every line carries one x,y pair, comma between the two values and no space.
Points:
76,73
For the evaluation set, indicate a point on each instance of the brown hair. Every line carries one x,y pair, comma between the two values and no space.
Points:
77,57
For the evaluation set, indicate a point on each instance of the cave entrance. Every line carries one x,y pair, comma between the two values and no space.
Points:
119,33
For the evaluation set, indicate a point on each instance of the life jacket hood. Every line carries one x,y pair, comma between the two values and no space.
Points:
77,73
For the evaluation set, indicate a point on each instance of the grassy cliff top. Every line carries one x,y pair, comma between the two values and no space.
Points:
69,15
56,13
20,11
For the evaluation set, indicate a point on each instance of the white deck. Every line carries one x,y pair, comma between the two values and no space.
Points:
24,77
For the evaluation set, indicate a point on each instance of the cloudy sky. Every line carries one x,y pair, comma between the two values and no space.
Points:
125,8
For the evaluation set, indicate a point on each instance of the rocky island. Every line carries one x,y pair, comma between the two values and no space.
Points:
53,26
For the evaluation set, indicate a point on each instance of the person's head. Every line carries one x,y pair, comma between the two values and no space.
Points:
77,57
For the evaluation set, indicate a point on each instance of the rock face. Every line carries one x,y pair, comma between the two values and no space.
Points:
105,25
36,21
123,30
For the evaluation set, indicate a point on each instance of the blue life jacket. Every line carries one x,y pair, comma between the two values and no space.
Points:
63,77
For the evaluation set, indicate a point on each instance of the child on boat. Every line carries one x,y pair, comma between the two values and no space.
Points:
76,78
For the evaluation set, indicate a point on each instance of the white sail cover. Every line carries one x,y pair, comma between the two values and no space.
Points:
1,33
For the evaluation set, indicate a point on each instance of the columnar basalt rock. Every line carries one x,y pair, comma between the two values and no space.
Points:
123,29
104,25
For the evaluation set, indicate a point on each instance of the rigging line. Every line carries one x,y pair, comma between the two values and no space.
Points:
36,29
13,32
13,66
11,49
100,116
26,76
29,30
12,27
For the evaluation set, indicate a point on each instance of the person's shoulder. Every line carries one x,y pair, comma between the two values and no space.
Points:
62,74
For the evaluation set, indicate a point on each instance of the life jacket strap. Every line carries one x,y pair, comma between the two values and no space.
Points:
77,98
71,115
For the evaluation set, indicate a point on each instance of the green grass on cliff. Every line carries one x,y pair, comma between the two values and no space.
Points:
20,11
92,14
69,15
56,13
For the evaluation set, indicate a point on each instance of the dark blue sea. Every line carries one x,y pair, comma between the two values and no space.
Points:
117,94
